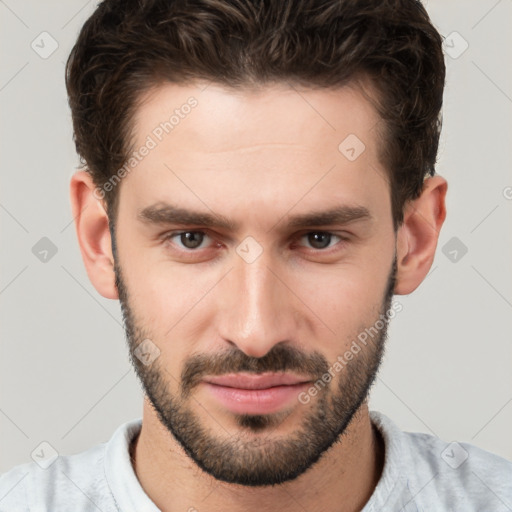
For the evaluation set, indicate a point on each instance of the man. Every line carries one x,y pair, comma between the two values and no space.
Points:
259,182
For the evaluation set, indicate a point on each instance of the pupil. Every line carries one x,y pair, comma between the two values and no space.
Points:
191,239
319,240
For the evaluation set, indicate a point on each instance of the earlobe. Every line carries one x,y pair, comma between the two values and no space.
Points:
418,235
92,229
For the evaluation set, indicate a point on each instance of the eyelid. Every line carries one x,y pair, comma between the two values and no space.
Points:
168,236
342,238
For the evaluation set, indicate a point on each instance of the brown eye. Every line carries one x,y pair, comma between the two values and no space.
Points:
191,239
319,239
188,239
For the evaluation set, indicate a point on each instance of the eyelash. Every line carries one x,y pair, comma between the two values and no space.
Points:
169,236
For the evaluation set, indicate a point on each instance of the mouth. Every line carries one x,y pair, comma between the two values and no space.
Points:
265,393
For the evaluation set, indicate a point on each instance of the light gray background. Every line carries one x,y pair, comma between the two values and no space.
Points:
65,376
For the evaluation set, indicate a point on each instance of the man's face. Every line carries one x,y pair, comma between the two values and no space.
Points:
268,295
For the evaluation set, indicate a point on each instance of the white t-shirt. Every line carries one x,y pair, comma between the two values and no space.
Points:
421,473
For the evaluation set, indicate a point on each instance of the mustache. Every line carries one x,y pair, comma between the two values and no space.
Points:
281,358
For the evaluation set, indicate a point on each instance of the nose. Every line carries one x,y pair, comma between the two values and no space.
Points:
259,310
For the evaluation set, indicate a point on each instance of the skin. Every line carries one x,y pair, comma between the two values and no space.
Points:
257,157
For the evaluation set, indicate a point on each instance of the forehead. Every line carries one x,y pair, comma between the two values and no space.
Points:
263,115
212,142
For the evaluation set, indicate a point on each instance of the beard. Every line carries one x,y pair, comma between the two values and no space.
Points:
255,457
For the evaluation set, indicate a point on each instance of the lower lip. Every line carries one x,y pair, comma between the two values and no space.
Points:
256,401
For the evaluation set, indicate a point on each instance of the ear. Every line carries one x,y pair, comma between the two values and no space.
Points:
418,235
92,229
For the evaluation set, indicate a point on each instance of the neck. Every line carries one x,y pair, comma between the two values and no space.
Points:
341,481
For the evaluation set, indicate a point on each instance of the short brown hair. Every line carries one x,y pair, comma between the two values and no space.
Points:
128,46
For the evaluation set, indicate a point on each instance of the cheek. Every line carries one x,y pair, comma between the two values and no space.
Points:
174,306
180,306
346,290
347,298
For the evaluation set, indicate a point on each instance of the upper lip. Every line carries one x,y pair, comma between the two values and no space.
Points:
255,381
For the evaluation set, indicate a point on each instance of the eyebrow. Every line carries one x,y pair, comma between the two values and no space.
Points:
164,213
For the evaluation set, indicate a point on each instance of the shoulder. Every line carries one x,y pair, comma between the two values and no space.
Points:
463,469
74,479
13,489
456,475
81,482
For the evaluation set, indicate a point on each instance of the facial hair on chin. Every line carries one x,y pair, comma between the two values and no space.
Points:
262,460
